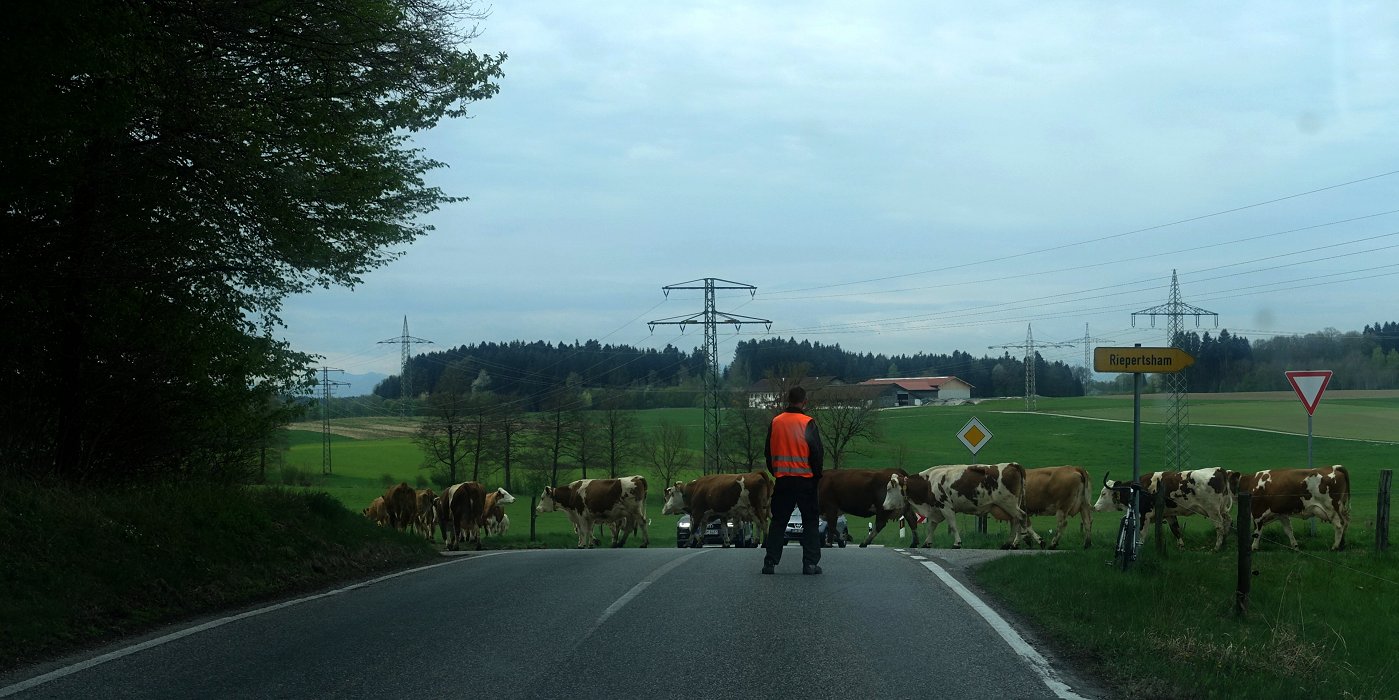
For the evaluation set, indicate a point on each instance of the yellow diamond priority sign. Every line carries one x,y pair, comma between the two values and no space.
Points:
974,435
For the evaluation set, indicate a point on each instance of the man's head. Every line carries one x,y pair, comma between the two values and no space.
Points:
796,396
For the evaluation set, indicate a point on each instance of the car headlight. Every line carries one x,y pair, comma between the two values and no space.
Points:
684,526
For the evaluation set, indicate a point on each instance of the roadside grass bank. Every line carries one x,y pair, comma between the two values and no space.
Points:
85,565
1320,624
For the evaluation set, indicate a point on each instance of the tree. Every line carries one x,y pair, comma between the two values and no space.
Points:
845,416
666,452
745,431
618,432
172,171
444,434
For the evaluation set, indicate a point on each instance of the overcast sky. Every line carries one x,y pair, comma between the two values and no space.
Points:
898,177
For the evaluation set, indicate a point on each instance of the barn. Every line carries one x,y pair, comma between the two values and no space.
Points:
916,391
770,393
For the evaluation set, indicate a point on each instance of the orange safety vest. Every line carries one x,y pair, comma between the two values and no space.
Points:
790,453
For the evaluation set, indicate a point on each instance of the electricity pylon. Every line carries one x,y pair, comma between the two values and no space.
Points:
1030,361
327,388
1087,341
1177,384
405,385
710,318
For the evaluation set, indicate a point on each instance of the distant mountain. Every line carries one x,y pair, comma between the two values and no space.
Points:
360,384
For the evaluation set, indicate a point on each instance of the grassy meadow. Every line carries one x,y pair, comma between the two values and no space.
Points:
1320,623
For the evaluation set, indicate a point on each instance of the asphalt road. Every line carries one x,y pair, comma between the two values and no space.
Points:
645,623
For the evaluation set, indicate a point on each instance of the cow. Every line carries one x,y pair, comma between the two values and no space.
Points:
589,502
426,520
497,522
493,512
1208,492
862,493
740,497
1281,494
460,510
376,511
939,493
1060,491
401,506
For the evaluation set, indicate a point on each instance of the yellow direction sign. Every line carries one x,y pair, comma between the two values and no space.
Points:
1139,360
974,435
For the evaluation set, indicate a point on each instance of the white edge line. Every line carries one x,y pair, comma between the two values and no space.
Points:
151,643
1037,662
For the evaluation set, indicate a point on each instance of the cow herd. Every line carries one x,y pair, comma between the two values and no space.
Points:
1006,491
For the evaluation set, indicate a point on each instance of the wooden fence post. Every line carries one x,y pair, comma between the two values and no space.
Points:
1382,512
1245,527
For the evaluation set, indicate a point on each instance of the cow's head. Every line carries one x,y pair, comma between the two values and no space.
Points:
547,504
894,492
1108,499
503,497
674,500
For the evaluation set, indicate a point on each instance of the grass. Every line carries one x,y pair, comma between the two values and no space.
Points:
87,565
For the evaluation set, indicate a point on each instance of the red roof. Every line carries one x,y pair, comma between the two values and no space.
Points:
915,383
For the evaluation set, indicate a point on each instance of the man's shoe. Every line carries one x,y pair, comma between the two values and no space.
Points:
768,569
811,569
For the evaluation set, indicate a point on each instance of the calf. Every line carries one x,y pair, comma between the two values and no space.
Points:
939,493
741,497
1281,494
460,510
1208,492
493,511
1062,492
590,502
376,511
862,493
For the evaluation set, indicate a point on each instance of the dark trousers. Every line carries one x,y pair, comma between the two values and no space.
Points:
788,493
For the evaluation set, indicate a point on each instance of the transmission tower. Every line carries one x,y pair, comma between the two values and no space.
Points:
1177,384
405,384
710,318
327,389
1088,341
1030,361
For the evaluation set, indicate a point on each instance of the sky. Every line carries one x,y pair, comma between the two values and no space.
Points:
901,177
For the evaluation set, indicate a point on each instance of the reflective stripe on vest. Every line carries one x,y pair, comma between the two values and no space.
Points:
788,445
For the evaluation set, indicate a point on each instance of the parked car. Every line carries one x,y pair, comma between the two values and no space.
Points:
794,530
740,534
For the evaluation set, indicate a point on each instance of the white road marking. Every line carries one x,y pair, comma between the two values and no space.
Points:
152,643
1037,662
641,586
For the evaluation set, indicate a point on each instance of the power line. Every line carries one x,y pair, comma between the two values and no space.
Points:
327,388
405,383
1030,357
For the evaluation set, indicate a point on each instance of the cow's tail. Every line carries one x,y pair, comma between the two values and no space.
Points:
1086,489
1345,487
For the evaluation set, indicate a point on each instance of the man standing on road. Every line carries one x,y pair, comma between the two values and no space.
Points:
794,457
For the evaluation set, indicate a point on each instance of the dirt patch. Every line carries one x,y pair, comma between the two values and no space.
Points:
363,429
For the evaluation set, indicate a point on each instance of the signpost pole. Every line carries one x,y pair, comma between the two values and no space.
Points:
1136,453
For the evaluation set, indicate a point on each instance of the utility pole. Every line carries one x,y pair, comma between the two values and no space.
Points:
710,318
327,388
1088,342
405,384
1030,361
1178,410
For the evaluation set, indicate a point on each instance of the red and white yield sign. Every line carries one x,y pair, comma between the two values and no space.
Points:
1310,385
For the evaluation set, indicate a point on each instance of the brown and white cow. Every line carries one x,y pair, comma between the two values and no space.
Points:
739,497
401,506
589,502
1209,492
1281,494
862,493
425,522
1059,491
493,512
460,510
939,493
376,511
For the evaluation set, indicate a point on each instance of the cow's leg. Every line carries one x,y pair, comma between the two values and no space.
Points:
1085,526
880,518
1174,522
1061,521
1030,530
645,530
1338,524
951,519
1287,530
698,523
931,525
1221,530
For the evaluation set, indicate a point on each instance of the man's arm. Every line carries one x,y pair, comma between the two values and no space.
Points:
816,452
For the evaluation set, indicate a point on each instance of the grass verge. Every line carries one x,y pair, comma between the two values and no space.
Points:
1320,624
84,566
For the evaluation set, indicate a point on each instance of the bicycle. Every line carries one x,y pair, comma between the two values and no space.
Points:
1129,531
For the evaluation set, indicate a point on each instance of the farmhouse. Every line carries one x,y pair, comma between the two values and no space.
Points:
771,393
916,391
